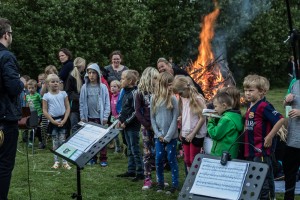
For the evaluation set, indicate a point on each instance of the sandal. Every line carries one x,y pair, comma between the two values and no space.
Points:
66,166
56,165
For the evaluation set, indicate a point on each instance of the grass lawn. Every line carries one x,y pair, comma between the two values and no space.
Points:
97,182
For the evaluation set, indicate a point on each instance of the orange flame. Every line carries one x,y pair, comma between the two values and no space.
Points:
207,76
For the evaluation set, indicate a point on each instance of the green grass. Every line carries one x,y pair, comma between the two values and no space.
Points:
96,182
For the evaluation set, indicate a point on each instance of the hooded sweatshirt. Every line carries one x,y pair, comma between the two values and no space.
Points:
224,132
104,103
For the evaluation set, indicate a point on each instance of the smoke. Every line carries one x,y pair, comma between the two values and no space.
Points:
239,14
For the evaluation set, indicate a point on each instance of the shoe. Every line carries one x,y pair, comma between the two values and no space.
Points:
41,145
91,162
56,165
172,190
138,178
103,164
126,174
66,166
279,178
29,144
160,188
147,184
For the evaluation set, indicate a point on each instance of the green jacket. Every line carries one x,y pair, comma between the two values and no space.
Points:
224,132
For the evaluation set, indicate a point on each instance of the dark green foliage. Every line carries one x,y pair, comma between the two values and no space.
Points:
252,42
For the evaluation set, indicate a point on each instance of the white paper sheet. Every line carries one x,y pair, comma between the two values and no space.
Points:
216,180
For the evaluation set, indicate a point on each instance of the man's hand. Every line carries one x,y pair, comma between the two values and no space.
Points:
294,113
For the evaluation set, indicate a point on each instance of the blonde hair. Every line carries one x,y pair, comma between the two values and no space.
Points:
78,62
164,61
116,82
185,83
50,68
51,77
146,83
259,82
32,82
235,94
132,75
162,93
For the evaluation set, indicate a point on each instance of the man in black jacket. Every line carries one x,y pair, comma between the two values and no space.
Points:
164,65
10,107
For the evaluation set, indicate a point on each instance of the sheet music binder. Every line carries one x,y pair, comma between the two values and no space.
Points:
85,156
254,180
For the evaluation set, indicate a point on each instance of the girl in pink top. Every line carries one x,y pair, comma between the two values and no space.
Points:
193,124
115,91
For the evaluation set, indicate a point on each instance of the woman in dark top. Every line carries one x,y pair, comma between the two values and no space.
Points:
65,57
115,69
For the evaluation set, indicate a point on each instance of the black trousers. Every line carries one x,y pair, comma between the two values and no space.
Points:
7,156
291,163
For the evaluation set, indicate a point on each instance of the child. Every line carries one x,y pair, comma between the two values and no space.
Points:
291,158
225,131
261,125
41,81
193,124
115,87
73,86
25,91
142,111
164,114
34,101
56,109
94,105
131,126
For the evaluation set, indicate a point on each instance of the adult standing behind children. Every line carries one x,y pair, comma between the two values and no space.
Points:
291,159
65,57
164,113
73,86
10,111
163,65
131,126
262,122
115,69
94,104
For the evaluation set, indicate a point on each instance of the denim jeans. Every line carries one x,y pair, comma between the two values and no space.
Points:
135,164
58,138
7,156
74,119
171,154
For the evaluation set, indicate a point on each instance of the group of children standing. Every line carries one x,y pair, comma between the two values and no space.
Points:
168,108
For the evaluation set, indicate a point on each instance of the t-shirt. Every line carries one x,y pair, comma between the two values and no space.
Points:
36,100
260,119
56,103
93,97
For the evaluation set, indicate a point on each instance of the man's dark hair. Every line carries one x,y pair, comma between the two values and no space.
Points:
5,25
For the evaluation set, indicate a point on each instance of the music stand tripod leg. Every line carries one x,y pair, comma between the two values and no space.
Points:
78,196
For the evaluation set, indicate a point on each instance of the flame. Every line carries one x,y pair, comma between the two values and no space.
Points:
206,73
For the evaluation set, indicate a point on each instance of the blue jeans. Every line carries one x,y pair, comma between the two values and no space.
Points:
58,138
7,156
171,154
135,164
74,119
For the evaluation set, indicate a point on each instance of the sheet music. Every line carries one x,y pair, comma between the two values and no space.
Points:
216,180
86,137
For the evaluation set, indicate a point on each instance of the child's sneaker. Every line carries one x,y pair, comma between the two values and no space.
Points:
56,165
147,184
91,162
160,188
66,166
171,190
41,145
29,144
103,164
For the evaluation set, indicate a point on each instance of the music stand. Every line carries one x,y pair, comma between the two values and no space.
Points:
252,185
72,150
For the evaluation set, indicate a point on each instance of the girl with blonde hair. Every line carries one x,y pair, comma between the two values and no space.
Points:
73,86
146,88
193,124
163,114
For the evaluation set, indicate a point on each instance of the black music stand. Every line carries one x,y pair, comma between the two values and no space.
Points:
252,185
78,157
